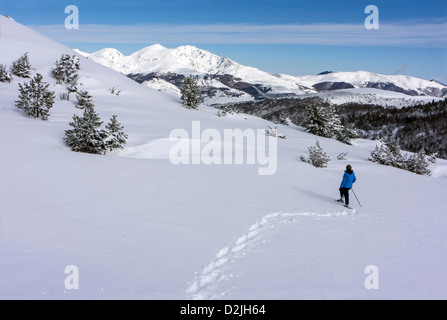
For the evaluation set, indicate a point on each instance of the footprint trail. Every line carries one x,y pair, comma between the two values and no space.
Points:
205,284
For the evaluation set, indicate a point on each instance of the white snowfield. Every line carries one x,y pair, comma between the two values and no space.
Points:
138,227
360,78
371,96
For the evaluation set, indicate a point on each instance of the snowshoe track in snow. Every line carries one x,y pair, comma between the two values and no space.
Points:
204,286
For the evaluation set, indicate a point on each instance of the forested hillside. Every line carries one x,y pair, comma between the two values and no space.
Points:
423,126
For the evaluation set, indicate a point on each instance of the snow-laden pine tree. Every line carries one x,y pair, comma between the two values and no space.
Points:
390,154
315,121
85,100
317,157
345,135
379,154
322,120
21,67
191,94
418,163
87,135
394,155
333,122
116,136
5,76
66,71
35,99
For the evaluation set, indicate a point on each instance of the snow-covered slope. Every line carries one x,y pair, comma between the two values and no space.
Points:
138,227
371,96
363,79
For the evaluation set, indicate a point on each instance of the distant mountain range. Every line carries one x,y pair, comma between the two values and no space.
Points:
223,80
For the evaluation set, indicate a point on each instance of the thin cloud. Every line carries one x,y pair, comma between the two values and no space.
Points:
390,34
402,69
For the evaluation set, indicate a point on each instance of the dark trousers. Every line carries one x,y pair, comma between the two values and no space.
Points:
344,192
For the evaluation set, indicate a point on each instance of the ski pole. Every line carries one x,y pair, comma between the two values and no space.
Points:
356,197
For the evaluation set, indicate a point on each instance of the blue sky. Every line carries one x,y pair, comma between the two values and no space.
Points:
295,37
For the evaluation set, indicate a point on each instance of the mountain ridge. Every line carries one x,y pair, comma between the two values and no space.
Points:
224,80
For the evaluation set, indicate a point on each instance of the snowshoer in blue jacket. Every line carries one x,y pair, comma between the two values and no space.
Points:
348,180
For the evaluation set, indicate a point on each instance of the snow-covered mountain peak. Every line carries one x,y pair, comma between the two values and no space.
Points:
202,61
156,58
155,46
221,77
110,58
156,62
109,52
149,51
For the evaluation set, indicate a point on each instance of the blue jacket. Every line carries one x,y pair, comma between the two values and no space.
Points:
348,180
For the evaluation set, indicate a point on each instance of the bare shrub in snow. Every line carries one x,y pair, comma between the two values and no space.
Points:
343,156
274,132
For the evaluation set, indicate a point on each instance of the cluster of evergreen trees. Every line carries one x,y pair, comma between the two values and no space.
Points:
88,137
420,127
20,68
275,110
227,110
315,115
389,153
36,100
